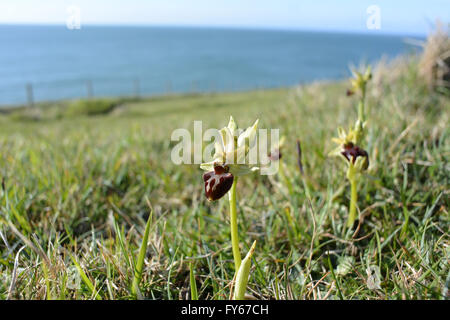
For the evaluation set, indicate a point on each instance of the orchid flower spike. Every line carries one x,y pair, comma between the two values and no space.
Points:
231,159
232,149
356,157
359,80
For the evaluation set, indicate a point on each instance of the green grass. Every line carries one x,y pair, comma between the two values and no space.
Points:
78,187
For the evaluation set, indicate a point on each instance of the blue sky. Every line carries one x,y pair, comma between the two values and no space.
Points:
397,16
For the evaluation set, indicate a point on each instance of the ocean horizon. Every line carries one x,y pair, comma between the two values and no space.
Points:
57,63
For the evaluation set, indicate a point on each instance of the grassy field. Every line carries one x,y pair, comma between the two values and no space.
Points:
79,180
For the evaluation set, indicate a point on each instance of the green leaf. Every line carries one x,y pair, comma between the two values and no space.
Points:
86,280
141,258
345,265
242,275
194,294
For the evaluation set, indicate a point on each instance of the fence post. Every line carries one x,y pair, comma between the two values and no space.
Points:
89,88
137,88
30,98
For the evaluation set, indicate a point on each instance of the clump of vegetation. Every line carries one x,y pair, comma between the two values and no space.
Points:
91,107
40,112
56,110
435,61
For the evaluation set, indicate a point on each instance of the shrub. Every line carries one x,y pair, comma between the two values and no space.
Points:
91,107
435,62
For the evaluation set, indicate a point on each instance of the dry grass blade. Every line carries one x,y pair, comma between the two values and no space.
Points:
435,63
14,274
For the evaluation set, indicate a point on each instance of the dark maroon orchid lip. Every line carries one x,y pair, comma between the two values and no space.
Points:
217,182
352,152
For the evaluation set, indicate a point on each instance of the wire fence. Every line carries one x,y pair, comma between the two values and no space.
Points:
34,92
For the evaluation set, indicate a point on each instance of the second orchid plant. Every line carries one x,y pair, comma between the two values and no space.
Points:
349,149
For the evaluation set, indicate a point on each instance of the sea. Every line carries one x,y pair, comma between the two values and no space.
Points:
46,63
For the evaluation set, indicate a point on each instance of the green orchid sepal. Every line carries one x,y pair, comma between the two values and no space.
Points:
232,149
355,170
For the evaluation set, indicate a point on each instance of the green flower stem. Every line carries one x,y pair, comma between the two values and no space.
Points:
141,258
353,202
234,228
361,105
284,177
361,111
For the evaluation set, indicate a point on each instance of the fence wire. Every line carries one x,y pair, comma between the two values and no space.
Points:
34,92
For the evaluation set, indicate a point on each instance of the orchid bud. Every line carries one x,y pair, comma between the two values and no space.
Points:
217,182
275,155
